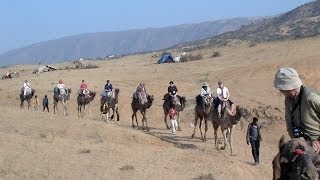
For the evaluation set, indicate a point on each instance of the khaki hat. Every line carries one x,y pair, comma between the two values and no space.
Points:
205,84
287,79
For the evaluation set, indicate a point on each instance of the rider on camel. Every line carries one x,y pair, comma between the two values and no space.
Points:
141,93
172,91
84,89
205,92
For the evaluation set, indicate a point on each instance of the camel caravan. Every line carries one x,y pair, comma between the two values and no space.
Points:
173,105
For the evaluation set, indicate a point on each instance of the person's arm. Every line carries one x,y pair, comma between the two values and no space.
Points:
247,136
176,89
259,132
289,123
228,94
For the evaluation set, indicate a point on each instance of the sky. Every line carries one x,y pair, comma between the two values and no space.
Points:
24,22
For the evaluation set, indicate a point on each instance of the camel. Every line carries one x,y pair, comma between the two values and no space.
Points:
63,99
135,106
82,101
203,114
111,104
178,108
26,98
296,160
229,118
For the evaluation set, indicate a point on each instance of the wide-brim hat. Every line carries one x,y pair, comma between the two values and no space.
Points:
205,84
287,79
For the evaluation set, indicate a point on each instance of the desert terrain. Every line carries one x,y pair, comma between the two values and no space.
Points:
41,145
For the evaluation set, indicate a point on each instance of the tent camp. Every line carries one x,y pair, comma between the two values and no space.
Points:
166,58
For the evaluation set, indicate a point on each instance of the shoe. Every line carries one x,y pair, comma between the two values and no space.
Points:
173,133
256,163
219,115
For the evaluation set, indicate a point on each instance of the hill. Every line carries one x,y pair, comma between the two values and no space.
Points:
301,22
102,44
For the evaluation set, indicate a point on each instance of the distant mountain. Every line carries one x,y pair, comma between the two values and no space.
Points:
103,44
301,22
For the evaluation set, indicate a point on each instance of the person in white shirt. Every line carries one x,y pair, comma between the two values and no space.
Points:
205,92
26,88
61,87
223,96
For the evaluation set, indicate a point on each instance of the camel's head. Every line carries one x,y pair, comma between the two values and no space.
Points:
183,101
298,160
240,112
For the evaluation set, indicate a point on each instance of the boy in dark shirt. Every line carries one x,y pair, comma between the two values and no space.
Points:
45,103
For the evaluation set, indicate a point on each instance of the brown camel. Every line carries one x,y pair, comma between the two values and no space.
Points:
178,107
135,106
202,113
107,104
63,99
26,98
82,101
230,117
296,160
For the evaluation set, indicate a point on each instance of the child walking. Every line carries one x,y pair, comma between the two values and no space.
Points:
45,103
36,103
173,115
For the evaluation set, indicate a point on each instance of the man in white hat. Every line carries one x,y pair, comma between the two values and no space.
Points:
205,92
302,108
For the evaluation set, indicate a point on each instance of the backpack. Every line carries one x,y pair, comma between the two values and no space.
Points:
56,90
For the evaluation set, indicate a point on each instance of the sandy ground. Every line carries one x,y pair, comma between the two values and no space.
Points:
41,145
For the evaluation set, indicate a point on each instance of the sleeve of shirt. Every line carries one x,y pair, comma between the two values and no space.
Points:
314,101
288,119
247,136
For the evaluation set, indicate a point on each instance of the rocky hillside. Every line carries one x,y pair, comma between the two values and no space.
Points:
102,44
301,22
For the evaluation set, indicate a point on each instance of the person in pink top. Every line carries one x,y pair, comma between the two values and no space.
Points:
84,88
173,118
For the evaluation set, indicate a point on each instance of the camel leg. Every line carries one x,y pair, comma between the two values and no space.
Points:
195,126
118,115
112,116
178,121
230,139
165,119
200,128
216,137
79,110
205,130
134,115
21,104
29,104
224,133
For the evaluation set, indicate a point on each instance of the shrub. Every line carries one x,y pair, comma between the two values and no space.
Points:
215,54
91,66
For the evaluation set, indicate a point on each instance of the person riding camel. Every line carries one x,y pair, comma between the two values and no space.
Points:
223,96
61,87
108,89
172,91
205,92
141,93
26,88
84,89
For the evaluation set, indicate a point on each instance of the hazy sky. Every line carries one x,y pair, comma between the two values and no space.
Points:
24,22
